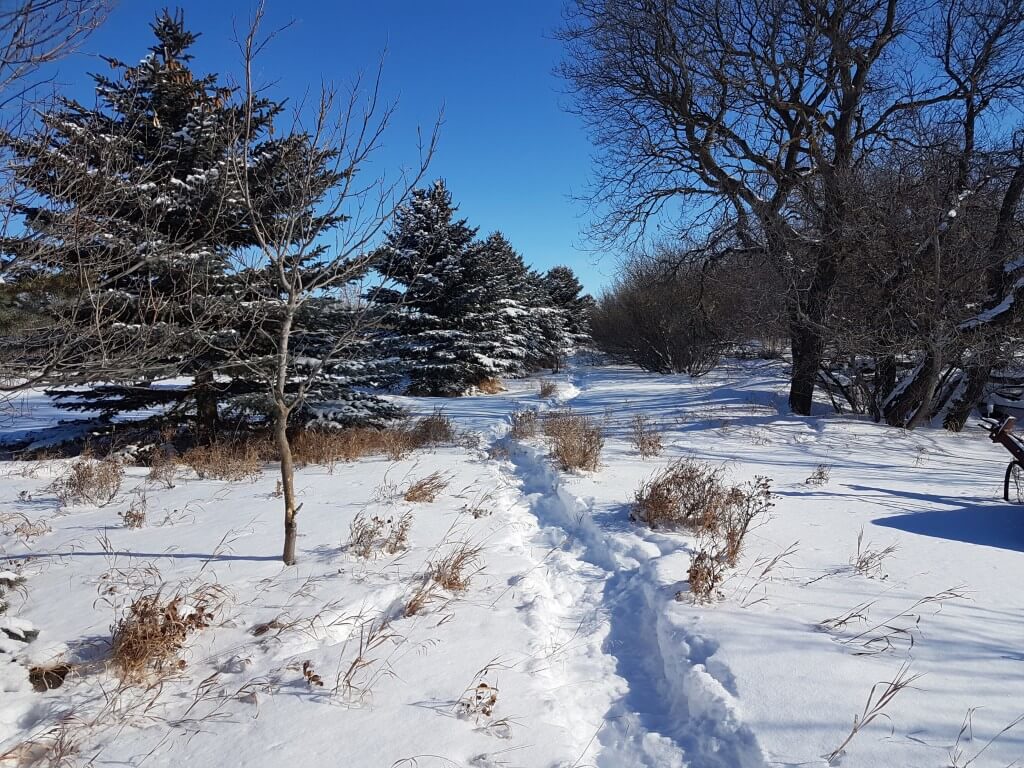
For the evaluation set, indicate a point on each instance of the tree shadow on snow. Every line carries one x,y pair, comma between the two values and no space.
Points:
986,524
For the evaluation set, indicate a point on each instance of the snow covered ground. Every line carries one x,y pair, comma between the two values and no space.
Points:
579,618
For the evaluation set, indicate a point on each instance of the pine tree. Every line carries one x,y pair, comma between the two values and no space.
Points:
137,213
498,315
424,257
559,317
141,216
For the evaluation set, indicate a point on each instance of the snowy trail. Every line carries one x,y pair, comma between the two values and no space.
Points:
628,683
572,618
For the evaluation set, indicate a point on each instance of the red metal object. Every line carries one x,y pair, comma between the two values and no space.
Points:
1002,432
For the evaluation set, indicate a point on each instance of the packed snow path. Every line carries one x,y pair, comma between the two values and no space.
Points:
579,620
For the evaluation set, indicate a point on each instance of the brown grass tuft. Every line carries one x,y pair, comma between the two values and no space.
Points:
227,460
426,489
645,436
576,440
150,636
546,389
90,481
435,429
454,571
490,386
369,536
135,515
524,424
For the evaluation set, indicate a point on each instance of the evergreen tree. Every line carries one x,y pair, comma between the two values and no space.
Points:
497,313
139,217
558,316
134,208
425,257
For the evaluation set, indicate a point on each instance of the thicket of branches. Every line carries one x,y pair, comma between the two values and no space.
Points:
867,153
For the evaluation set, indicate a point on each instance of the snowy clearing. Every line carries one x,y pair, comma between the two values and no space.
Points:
575,642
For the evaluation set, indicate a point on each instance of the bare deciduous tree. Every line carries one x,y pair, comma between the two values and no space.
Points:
764,112
314,242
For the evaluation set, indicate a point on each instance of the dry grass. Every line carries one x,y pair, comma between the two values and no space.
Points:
820,476
490,386
135,515
547,389
369,536
424,595
880,697
867,561
435,429
354,681
454,571
150,636
524,424
685,494
90,481
576,440
231,461
645,436
327,447
163,469
426,489
19,525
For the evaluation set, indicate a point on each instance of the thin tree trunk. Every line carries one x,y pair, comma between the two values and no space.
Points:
291,511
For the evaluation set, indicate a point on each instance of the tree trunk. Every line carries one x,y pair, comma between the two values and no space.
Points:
207,416
912,406
960,410
807,347
291,511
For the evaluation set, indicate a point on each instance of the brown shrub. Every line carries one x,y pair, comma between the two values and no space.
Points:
490,386
547,389
524,424
705,575
150,636
426,489
645,436
90,481
686,494
435,429
745,504
226,460
576,440
163,470
689,494
820,476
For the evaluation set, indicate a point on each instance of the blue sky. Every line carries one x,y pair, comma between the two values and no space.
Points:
512,156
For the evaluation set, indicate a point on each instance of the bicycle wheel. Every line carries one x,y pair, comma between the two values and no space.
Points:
1013,487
